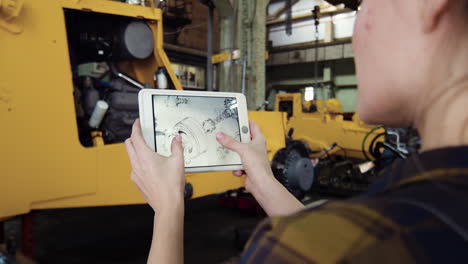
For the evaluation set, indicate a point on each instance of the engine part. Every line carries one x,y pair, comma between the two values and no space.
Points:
299,172
161,78
90,95
100,37
122,100
98,114
405,140
293,168
135,41
345,177
128,79
123,110
188,192
120,85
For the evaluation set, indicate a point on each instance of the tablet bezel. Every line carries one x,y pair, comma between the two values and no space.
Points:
145,102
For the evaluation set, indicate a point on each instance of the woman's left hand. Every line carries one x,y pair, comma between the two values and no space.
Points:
160,179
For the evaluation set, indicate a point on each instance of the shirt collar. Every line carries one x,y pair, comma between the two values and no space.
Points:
438,159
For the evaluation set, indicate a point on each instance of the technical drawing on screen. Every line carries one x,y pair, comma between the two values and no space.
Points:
196,119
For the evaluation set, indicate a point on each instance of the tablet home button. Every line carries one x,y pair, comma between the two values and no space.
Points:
245,130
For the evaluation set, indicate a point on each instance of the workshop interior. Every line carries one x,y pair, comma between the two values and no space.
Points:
70,73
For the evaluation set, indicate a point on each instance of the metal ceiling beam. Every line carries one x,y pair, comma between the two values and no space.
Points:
307,17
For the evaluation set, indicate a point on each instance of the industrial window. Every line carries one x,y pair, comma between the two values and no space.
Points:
309,94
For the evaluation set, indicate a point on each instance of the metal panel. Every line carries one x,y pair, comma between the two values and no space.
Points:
310,56
348,51
280,58
113,171
111,7
334,52
41,157
297,56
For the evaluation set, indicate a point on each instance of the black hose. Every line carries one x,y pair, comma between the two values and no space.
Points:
375,154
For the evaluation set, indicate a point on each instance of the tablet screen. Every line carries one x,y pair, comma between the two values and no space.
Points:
196,119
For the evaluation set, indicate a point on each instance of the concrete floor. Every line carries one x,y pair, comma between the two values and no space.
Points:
122,234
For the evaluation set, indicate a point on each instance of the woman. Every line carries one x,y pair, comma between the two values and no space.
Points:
412,69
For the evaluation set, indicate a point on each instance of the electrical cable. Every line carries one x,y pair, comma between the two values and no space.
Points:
365,139
372,148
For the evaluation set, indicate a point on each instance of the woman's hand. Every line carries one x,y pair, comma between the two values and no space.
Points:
253,155
160,179
269,193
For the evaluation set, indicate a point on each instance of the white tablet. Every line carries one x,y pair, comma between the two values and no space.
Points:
197,117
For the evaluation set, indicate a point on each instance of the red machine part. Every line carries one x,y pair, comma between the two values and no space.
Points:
242,200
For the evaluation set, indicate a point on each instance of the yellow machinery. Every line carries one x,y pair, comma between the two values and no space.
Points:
324,125
324,150
42,162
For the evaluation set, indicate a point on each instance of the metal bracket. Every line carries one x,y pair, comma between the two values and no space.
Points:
9,11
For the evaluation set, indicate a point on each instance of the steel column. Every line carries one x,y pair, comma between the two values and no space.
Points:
256,57
209,64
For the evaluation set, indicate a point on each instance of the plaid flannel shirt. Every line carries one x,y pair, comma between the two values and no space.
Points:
417,212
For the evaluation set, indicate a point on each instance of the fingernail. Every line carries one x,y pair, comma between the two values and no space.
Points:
178,138
220,136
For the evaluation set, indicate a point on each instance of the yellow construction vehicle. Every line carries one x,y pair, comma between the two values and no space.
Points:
49,157
320,123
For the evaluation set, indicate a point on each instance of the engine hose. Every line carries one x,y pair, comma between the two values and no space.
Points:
363,146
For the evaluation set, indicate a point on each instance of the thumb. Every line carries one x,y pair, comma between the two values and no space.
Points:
177,149
229,142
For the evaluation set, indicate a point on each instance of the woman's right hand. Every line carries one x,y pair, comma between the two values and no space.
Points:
254,158
269,193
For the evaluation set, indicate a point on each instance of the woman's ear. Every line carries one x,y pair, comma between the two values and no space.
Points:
432,12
